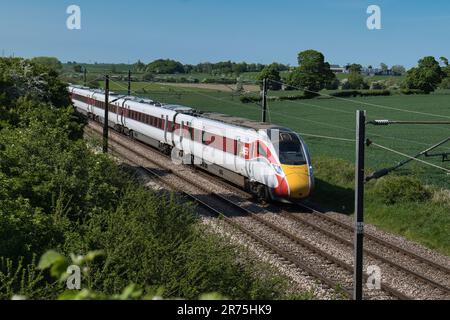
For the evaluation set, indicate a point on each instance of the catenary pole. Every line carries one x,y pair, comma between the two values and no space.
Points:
359,206
106,118
264,100
129,82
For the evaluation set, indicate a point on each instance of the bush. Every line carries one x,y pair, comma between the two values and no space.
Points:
413,91
378,85
445,84
398,189
360,93
148,76
219,80
346,93
250,99
375,93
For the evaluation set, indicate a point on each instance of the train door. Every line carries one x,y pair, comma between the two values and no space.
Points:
91,104
237,155
166,128
122,113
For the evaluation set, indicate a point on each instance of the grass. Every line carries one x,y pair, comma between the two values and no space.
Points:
425,222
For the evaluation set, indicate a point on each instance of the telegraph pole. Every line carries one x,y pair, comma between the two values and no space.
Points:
264,100
129,82
85,76
359,205
106,120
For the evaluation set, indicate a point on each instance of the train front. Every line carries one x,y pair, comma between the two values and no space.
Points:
294,172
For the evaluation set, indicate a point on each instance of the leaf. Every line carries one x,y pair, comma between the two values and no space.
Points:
56,262
48,259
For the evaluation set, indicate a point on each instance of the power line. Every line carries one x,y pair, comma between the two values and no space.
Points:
257,107
362,102
409,157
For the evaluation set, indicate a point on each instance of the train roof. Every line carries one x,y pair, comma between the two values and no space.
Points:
237,121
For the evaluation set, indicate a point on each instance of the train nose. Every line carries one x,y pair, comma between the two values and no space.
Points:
298,181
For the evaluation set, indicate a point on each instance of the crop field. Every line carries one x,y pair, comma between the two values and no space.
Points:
328,124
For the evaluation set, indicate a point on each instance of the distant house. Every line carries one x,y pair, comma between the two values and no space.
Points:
338,69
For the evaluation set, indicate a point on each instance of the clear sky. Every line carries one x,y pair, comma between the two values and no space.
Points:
194,31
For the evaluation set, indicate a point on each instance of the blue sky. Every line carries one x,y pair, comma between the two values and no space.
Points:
194,31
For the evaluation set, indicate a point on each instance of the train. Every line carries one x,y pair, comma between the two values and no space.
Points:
270,162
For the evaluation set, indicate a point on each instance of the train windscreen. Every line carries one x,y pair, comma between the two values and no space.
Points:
291,149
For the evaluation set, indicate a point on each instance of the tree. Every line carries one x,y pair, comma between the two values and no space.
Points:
50,62
139,66
398,70
384,67
167,66
313,73
271,73
355,68
78,68
426,76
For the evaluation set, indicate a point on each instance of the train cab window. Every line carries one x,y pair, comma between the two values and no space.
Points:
291,149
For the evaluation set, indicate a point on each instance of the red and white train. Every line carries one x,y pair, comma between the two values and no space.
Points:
269,161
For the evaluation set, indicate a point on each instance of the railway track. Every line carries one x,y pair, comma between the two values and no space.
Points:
293,249
382,252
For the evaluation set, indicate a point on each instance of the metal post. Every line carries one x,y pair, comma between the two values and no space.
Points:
264,100
106,119
359,205
129,82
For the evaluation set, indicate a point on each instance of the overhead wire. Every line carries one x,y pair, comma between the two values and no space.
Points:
409,157
362,102
279,114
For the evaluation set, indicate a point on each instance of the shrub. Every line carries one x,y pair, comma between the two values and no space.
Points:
398,189
378,85
219,80
148,77
413,91
346,93
374,93
249,99
445,84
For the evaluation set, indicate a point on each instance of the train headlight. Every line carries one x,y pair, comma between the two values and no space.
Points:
277,169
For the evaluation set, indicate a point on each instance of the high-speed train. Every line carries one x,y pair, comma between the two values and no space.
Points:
271,162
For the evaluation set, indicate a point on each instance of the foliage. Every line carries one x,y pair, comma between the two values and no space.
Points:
48,62
426,76
355,68
313,73
272,74
20,280
395,189
398,70
21,78
165,66
360,93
